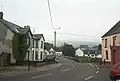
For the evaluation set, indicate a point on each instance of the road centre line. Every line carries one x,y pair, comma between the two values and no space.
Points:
88,77
97,72
66,70
41,76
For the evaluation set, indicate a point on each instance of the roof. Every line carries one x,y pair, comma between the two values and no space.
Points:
39,36
10,25
51,49
114,30
23,30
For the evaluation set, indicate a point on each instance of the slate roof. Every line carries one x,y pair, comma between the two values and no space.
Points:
114,30
10,25
38,36
23,30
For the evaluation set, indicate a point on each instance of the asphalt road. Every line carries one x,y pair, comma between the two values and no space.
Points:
67,71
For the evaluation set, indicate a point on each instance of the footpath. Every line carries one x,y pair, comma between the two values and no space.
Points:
20,70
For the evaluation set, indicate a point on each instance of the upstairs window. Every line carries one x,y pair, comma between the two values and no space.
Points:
105,43
114,40
41,44
36,43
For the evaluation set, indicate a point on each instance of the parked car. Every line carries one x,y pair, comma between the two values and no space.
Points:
115,72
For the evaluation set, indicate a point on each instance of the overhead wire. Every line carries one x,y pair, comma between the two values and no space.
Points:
50,14
75,34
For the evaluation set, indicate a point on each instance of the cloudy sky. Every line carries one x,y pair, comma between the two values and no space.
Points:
89,19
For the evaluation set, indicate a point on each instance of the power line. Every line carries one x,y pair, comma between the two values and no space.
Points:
50,14
75,34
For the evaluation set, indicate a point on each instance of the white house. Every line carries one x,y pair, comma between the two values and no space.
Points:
38,47
59,53
79,52
51,51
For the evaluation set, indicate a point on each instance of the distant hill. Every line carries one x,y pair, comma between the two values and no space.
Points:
78,43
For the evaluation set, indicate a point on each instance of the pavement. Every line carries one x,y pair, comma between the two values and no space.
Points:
67,70
21,70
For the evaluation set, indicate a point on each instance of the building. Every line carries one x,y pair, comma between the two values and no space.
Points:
38,47
111,43
79,52
8,33
59,53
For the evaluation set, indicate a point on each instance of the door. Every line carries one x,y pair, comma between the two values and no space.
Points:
114,57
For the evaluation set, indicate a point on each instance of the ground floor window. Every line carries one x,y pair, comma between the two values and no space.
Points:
36,55
41,55
33,55
106,54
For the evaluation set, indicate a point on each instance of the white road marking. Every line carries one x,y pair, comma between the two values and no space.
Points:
73,65
41,76
88,77
97,72
66,70
98,68
91,65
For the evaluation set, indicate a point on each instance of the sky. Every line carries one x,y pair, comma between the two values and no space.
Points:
89,19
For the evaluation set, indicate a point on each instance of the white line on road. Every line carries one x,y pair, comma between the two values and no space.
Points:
91,65
73,65
66,70
88,77
41,76
97,72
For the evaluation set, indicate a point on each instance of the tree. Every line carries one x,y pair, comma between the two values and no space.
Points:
20,46
99,47
68,50
48,46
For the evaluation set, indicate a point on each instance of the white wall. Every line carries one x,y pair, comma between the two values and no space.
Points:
79,52
39,50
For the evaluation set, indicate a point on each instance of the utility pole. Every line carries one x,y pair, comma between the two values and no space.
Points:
55,42
28,62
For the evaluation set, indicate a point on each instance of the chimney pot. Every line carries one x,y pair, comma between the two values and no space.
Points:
1,15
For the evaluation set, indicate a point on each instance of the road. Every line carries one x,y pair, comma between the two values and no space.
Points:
68,70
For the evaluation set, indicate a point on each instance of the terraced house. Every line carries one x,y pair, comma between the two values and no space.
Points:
111,44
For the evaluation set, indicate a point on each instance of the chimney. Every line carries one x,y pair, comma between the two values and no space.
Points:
1,15
27,26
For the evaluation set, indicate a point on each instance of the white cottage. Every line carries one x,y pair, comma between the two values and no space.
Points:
79,52
38,47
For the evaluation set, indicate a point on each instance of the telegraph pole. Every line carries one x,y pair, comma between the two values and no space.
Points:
55,42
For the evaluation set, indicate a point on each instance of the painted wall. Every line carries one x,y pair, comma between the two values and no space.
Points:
109,43
39,49
79,52
6,36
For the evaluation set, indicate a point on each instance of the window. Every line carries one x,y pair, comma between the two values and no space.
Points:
33,43
105,43
36,55
41,55
114,40
36,43
33,55
41,44
28,40
107,55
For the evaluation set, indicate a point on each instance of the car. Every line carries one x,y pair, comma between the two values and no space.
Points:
115,72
